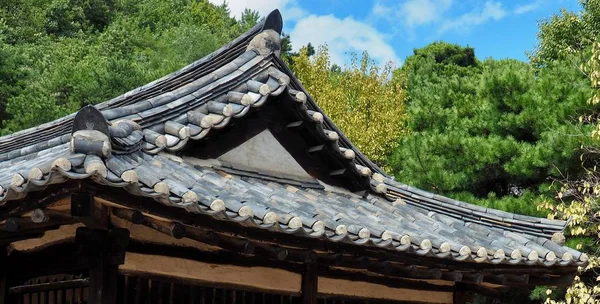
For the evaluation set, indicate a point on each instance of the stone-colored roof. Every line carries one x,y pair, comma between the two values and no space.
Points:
129,142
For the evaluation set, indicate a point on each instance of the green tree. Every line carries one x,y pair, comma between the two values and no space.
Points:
491,132
58,55
579,196
567,33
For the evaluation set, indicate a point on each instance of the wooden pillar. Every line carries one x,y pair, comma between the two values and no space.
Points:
310,283
460,295
3,274
105,250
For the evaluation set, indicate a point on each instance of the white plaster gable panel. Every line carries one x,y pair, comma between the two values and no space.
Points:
263,152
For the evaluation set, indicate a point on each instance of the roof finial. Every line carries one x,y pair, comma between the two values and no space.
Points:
273,22
90,133
269,39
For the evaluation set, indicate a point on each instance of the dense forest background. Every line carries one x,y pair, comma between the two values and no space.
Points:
512,135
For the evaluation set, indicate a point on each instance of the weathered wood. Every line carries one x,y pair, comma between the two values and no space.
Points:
30,288
392,282
37,222
133,216
258,234
90,212
103,283
310,283
12,224
344,288
460,295
195,272
273,252
508,279
82,204
106,251
217,257
172,229
39,216
4,269
210,238
32,264
38,199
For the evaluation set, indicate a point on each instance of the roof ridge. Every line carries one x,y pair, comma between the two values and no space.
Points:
62,125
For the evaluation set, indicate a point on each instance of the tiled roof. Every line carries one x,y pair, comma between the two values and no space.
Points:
128,143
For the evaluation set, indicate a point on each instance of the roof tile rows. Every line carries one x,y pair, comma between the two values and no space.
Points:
167,114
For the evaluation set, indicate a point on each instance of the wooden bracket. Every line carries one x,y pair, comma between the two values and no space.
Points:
82,204
93,214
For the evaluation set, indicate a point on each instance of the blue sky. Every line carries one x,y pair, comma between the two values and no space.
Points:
390,30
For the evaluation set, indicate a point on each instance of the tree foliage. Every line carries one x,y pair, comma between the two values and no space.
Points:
361,98
567,33
577,35
579,197
57,55
491,132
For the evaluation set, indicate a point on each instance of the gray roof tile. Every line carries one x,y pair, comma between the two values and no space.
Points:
237,79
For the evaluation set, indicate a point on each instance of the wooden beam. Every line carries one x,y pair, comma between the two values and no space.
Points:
310,284
38,199
347,288
392,282
40,220
65,258
193,272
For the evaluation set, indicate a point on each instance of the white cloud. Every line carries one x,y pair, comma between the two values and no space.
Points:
529,7
342,36
289,8
411,13
491,11
422,12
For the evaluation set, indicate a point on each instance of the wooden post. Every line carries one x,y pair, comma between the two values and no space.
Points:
3,274
460,295
310,283
105,250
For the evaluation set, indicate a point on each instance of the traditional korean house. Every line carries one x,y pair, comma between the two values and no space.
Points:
224,182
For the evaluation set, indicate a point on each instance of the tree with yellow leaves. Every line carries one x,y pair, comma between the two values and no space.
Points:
362,99
579,201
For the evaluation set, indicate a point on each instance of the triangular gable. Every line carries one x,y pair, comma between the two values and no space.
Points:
263,152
